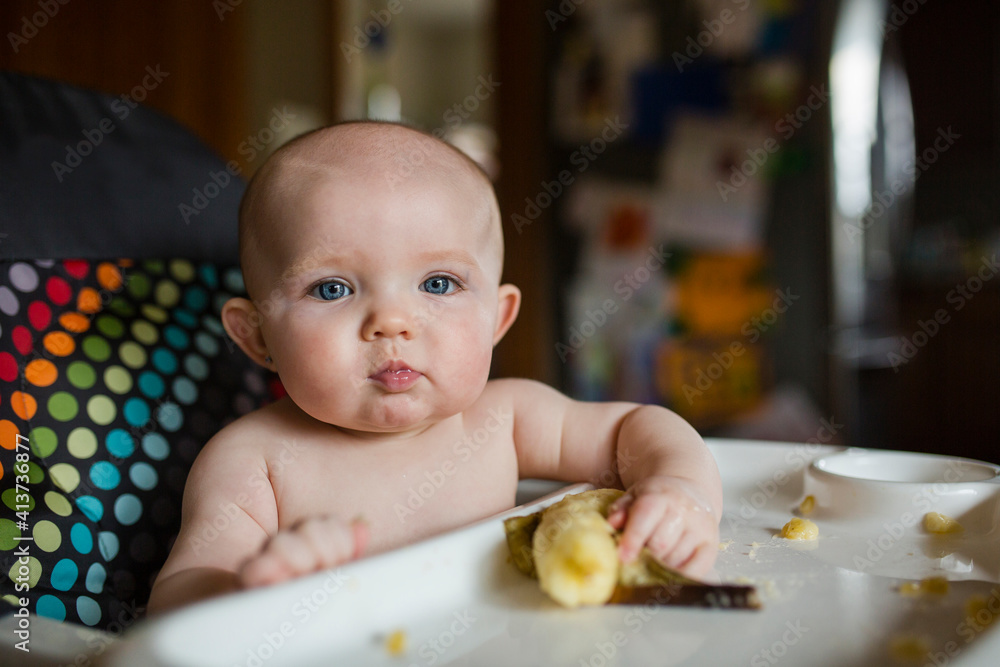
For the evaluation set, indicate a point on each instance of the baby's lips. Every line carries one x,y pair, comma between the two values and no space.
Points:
396,380
393,366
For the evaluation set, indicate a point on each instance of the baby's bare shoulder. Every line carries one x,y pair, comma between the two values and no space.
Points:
247,438
266,420
513,389
521,395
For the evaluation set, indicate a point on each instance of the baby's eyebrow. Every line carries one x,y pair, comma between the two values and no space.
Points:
454,255
306,265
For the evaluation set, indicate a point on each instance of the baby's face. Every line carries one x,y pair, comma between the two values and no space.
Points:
379,304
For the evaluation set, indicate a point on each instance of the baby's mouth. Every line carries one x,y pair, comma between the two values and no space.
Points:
395,376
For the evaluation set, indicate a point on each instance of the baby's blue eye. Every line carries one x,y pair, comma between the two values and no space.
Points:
438,285
330,291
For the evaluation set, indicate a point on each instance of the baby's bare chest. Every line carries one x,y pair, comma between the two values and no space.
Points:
405,492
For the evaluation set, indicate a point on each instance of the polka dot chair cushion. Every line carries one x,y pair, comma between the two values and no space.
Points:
116,372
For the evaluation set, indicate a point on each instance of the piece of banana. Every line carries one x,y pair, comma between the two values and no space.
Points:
573,551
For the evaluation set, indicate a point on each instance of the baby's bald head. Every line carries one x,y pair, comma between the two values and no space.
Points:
388,158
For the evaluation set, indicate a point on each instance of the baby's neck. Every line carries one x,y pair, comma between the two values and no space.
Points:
387,435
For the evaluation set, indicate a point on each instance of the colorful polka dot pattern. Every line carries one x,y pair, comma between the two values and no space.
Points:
116,372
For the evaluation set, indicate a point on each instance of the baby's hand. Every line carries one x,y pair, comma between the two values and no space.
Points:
314,544
667,515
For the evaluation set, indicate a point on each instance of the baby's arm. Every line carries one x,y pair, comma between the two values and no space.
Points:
226,517
673,500
229,537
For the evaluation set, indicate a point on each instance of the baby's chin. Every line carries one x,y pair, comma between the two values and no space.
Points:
389,417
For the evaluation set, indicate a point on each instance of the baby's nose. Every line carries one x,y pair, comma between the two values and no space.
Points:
388,320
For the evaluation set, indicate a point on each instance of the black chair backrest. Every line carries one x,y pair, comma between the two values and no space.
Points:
84,174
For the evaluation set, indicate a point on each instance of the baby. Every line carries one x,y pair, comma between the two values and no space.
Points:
375,295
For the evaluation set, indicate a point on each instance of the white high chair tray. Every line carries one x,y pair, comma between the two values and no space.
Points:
456,600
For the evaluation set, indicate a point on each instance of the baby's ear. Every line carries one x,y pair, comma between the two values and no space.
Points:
508,304
242,321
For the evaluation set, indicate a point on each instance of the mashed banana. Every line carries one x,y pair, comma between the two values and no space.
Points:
800,529
927,586
909,649
940,524
395,643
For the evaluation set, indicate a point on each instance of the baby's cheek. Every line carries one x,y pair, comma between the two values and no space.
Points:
468,349
311,364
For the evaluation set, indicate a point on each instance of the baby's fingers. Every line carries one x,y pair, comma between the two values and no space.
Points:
701,561
618,511
645,516
691,549
332,541
674,548
280,559
313,545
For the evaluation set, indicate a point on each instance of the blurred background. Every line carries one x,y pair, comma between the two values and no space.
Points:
776,217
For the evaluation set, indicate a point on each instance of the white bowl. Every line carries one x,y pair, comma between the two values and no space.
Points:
901,487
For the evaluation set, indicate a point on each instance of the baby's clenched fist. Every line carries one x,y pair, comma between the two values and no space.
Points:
313,544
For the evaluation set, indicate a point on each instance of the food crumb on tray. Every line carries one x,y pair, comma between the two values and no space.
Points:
799,529
941,524
767,589
978,612
924,587
395,643
909,649
807,505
